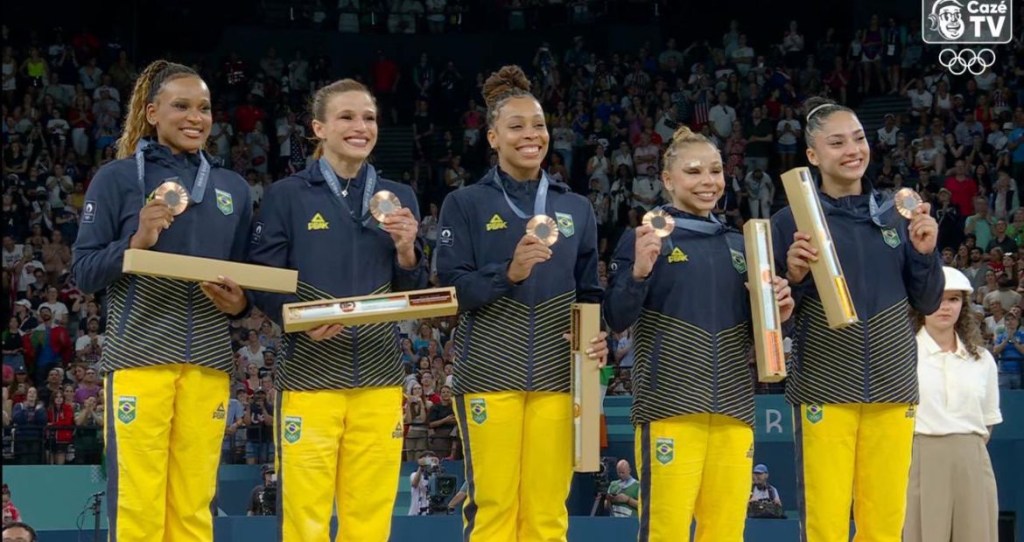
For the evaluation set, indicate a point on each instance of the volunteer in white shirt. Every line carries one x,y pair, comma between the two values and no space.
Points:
952,491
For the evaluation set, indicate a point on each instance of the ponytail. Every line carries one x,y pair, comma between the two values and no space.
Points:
146,88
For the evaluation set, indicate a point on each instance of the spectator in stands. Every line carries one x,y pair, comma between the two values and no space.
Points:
89,347
13,345
416,409
29,419
16,531
670,407
167,126
60,417
252,352
10,512
1008,347
980,224
623,496
888,268
90,386
233,449
759,191
441,422
49,344
952,490
1006,295
259,433
486,221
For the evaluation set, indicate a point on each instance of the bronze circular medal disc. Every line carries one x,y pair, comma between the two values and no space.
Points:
907,201
173,195
543,227
384,203
661,221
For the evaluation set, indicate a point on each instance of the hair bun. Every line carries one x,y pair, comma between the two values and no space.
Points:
682,134
507,81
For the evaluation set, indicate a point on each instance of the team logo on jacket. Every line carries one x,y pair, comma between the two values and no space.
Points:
677,256
815,412
739,262
399,431
317,223
224,202
565,224
126,409
292,429
665,450
220,413
890,237
496,223
911,411
478,409
446,237
89,212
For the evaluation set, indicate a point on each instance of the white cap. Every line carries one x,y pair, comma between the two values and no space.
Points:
956,281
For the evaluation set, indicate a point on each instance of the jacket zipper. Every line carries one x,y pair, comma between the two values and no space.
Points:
188,320
714,338
864,328
529,350
355,356
129,299
655,355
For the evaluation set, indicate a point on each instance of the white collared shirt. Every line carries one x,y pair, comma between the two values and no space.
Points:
959,393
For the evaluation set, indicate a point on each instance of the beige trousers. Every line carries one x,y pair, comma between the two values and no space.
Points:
952,491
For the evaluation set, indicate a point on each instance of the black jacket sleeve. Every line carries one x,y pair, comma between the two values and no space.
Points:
98,252
588,285
625,297
270,247
415,278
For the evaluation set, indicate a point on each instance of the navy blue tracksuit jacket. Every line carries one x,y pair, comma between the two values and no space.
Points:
509,336
156,320
692,324
302,225
875,360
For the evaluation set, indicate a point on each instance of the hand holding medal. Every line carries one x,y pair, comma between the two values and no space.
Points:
398,222
923,229
533,248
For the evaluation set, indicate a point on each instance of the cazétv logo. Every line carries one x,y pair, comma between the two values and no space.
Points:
974,22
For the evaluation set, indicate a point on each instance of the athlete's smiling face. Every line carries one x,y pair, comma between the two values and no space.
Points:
181,114
520,135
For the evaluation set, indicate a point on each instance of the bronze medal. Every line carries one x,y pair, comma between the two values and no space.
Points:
173,195
907,201
384,203
661,221
543,227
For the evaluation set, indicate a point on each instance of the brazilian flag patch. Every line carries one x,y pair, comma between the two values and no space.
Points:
665,450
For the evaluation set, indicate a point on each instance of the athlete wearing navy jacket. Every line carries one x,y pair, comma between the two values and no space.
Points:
512,370
339,410
168,352
854,390
693,395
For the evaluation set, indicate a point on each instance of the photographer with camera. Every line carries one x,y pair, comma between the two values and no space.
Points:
419,481
263,499
623,493
764,498
432,488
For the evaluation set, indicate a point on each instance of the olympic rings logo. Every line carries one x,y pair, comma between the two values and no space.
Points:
967,60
